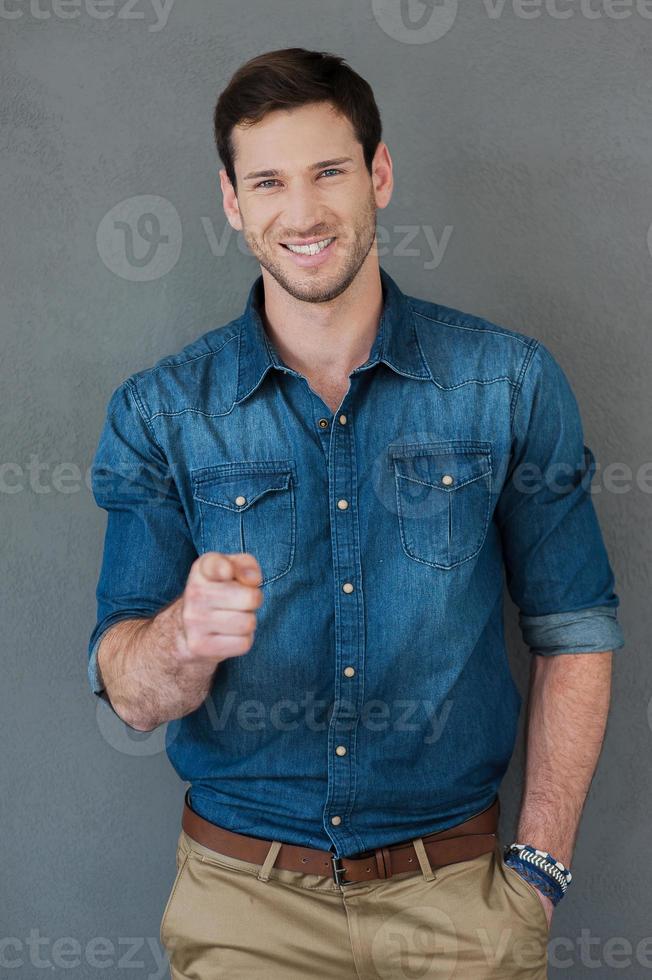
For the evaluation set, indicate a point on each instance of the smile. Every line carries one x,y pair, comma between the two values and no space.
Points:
312,249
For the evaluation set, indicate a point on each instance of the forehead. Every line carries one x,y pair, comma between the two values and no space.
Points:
293,137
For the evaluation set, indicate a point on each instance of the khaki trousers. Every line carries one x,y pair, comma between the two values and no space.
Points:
472,920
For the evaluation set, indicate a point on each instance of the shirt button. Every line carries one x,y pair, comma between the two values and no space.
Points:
323,423
336,820
342,419
347,587
240,501
349,671
341,750
447,479
342,504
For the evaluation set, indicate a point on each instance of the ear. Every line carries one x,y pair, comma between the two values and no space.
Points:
382,175
230,201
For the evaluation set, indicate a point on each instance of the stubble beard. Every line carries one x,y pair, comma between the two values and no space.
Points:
316,286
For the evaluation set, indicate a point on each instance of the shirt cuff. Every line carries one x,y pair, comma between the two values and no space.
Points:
94,676
579,631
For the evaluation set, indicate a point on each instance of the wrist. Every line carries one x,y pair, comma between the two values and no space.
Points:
539,868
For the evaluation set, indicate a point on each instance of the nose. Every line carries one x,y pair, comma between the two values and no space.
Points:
303,215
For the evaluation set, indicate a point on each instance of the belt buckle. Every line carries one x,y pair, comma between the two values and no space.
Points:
338,870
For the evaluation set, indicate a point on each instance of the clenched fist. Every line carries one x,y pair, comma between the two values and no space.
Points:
218,609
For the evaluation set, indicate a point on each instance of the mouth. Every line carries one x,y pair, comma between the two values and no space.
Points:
310,253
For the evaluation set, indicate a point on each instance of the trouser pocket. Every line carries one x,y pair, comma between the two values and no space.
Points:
181,860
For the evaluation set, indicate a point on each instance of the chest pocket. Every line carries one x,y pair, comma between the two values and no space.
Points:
443,496
249,505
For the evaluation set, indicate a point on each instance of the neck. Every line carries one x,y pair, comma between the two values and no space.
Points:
325,339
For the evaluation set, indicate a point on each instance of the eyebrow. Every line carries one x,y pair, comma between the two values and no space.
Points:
321,165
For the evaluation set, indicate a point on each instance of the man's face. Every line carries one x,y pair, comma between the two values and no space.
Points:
320,191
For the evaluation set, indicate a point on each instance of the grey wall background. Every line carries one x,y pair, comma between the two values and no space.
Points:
521,140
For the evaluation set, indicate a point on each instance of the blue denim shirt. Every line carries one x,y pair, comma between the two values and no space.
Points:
376,703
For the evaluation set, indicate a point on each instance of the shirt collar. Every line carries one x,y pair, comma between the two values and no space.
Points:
396,343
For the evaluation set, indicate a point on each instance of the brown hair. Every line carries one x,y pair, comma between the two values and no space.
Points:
289,78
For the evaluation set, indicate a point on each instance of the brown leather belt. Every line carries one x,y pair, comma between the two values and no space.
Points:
465,841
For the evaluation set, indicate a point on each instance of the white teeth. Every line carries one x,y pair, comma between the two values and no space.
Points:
311,249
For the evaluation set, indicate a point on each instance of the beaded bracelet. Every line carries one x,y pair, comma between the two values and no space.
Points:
540,868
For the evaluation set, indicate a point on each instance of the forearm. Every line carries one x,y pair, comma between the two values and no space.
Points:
144,673
566,718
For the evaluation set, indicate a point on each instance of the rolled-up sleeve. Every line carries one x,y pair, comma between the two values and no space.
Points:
557,569
148,547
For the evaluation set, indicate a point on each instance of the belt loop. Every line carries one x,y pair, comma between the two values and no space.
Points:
383,862
424,860
275,847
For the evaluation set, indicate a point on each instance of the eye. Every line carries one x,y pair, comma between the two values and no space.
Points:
272,180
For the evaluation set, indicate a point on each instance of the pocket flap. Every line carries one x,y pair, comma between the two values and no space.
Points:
238,491
444,466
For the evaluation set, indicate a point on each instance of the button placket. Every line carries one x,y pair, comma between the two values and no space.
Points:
349,636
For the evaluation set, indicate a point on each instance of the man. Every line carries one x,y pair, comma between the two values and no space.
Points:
310,511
